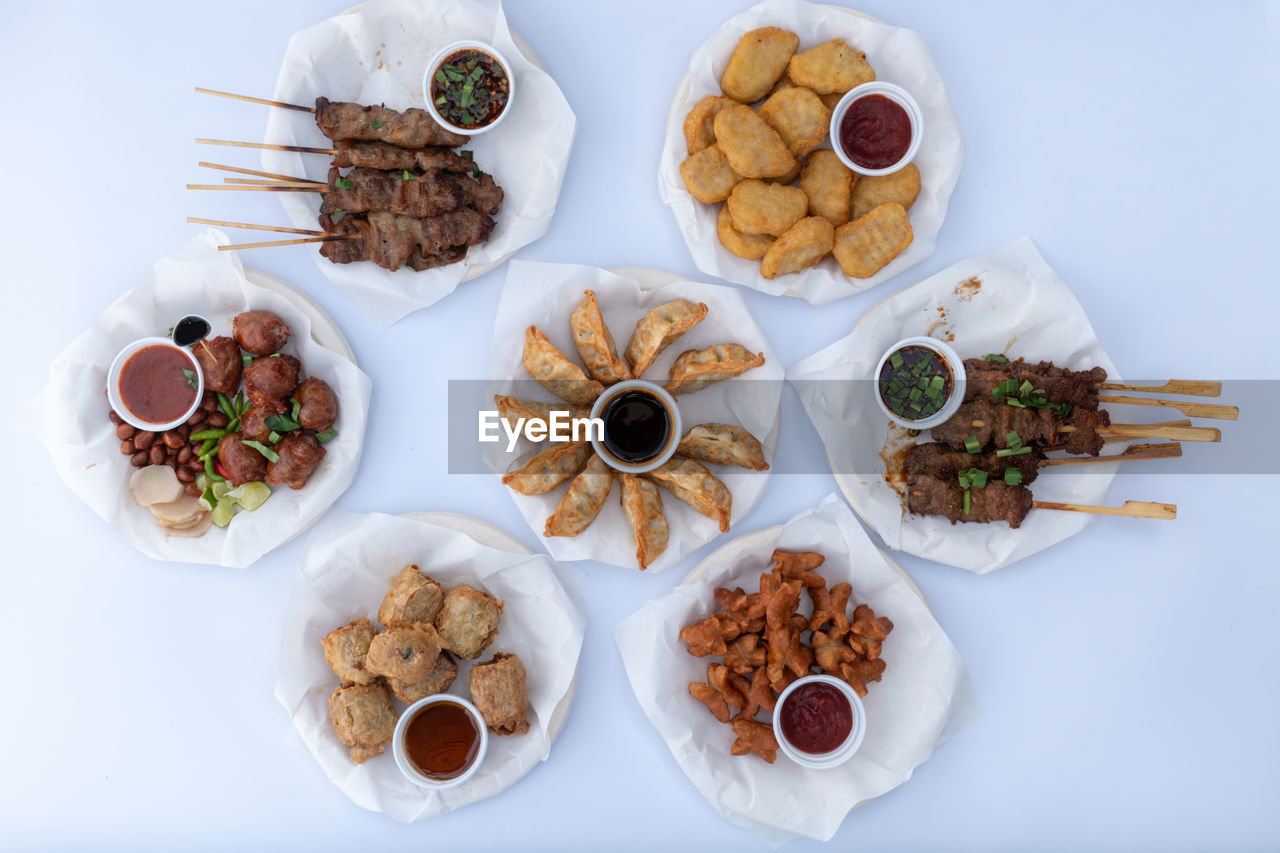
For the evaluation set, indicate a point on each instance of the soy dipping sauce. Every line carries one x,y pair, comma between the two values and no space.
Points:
637,426
442,740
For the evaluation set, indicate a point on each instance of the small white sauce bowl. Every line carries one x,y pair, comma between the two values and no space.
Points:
957,390
401,752
673,440
899,96
852,741
439,58
113,384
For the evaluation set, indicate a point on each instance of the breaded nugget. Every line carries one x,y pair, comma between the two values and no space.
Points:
872,191
787,177
707,175
408,653
864,246
760,208
754,149
468,621
828,184
500,695
749,246
831,67
699,130
345,649
362,719
804,244
437,681
784,83
413,597
757,62
830,99
799,117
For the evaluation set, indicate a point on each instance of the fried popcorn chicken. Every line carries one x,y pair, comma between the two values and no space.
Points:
752,147
749,246
407,653
760,208
499,691
829,606
542,472
584,500
723,444
468,620
868,632
829,184
437,681
642,505
860,672
345,649
658,329
413,597
866,245
754,737
708,176
555,372
803,245
871,191
800,118
699,128
595,343
830,67
692,483
362,719
757,62
744,654
695,369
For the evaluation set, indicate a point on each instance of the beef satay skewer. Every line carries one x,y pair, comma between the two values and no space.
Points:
1169,433
937,460
253,100
1000,502
279,228
1185,387
1191,410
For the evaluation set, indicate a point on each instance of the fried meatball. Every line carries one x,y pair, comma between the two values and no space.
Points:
407,654
413,597
260,332
362,718
345,649
220,363
468,620
299,454
499,693
253,425
241,463
271,378
318,405
437,681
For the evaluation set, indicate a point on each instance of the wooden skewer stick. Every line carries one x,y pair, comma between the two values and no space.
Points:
267,145
321,239
1112,439
1191,410
241,171
280,104
278,228
1170,450
1133,509
275,188
1169,433
256,182
1187,387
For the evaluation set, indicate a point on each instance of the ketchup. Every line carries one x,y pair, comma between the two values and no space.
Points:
875,132
816,718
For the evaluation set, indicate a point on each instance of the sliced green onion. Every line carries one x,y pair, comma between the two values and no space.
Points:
1012,477
378,124
1014,440
1026,387
326,436
246,360
273,437
995,356
895,360
972,445
966,502
1009,451
407,176
343,183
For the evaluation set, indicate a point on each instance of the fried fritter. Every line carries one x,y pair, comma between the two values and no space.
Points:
723,444
804,244
413,597
760,208
407,653
692,483
708,176
695,369
499,692
800,118
828,184
468,621
864,246
642,505
437,681
830,67
699,128
658,328
362,718
749,246
870,192
757,62
752,147
345,649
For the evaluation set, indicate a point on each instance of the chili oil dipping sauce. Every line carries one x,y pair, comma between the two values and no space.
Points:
819,721
440,741
641,426
876,128
468,87
154,384
919,383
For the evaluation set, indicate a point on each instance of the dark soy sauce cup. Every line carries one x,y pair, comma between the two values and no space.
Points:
641,426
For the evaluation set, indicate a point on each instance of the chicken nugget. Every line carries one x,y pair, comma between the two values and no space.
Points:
804,244
408,653
800,118
707,175
784,83
699,130
749,246
499,693
870,192
345,649
830,99
760,208
830,67
468,621
362,719
864,246
753,149
785,178
413,597
757,62
828,184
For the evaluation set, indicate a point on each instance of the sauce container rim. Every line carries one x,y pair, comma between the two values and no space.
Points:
401,753
438,59
898,95
957,387
842,753
673,440
113,384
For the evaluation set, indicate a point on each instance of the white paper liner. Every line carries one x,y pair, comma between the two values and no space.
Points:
923,699
899,56
545,295
72,409
1022,309
347,569
376,54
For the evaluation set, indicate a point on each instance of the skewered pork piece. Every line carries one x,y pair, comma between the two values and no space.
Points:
393,241
996,501
938,460
380,155
413,128
423,194
1033,426
1076,388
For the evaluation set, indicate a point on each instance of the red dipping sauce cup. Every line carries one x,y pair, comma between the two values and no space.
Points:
819,721
884,95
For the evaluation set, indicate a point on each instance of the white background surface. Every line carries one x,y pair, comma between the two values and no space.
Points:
1128,674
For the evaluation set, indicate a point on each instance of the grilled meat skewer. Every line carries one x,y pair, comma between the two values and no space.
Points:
413,128
1034,427
393,241
996,501
1076,388
938,460
422,194
381,155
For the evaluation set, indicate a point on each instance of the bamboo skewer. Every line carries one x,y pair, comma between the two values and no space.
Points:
1169,433
1132,509
274,188
241,171
233,97
320,239
1186,387
1170,450
1112,439
267,145
257,182
1191,410
278,228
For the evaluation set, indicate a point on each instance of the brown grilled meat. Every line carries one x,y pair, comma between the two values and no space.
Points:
380,155
938,460
1076,388
928,495
220,363
413,128
271,378
1033,426
317,404
260,332
428,194
393,241
253,426
299,454
242,463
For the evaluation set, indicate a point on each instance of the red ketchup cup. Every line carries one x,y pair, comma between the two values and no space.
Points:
819,721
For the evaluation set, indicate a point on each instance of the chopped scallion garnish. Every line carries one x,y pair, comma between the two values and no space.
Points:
972,445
